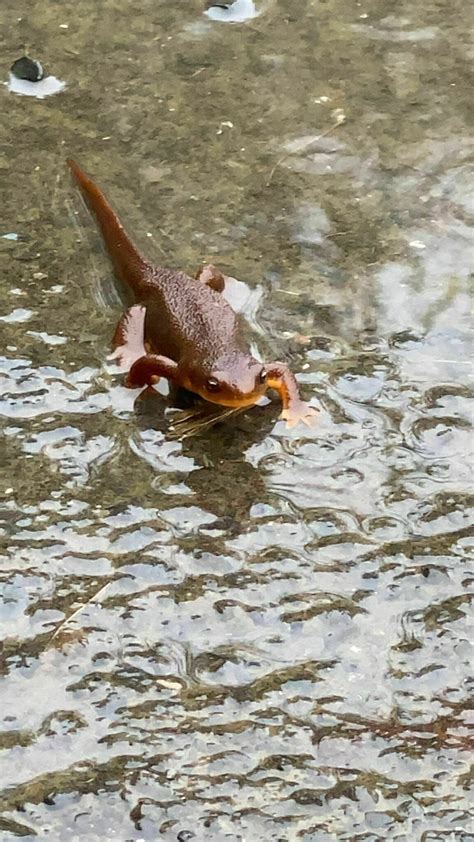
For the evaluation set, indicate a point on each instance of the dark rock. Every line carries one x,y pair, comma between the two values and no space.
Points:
27,68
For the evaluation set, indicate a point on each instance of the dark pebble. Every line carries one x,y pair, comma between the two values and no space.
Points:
27,68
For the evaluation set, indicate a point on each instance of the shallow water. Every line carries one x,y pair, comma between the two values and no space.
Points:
251,633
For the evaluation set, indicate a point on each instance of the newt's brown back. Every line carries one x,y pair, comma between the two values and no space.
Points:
186,318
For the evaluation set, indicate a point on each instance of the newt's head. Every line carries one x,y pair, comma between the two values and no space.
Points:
236,380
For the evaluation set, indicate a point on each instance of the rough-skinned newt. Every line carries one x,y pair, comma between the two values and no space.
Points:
183,329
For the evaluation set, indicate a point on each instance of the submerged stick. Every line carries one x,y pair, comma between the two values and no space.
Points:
91,601
341,118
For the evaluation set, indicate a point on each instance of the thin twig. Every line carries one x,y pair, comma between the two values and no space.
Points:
92,600
340,120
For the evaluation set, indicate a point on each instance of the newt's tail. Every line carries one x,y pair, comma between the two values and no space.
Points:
129,266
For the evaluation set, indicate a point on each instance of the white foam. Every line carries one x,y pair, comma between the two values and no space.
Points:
237,12
45,87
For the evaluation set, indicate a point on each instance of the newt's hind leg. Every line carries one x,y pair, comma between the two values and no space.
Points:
129,337
132,354
212,277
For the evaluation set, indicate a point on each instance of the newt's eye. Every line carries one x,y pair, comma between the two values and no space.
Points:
213,385
263,376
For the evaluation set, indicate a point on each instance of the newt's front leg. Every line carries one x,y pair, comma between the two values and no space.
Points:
148,369
280,378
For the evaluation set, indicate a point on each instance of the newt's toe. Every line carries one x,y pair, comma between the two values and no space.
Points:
299,411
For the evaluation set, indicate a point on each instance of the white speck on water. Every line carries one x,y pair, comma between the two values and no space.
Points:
18,315
11,236
47,338
417,244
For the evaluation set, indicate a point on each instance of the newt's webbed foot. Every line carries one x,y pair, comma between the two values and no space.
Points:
280,378
129,337
299,411
212,277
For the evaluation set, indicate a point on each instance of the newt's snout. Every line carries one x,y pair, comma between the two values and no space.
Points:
237,382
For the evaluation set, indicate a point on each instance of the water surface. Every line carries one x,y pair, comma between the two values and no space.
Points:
252,633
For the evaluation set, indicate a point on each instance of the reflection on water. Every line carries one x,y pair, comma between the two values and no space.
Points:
251,632
46,87
236,12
